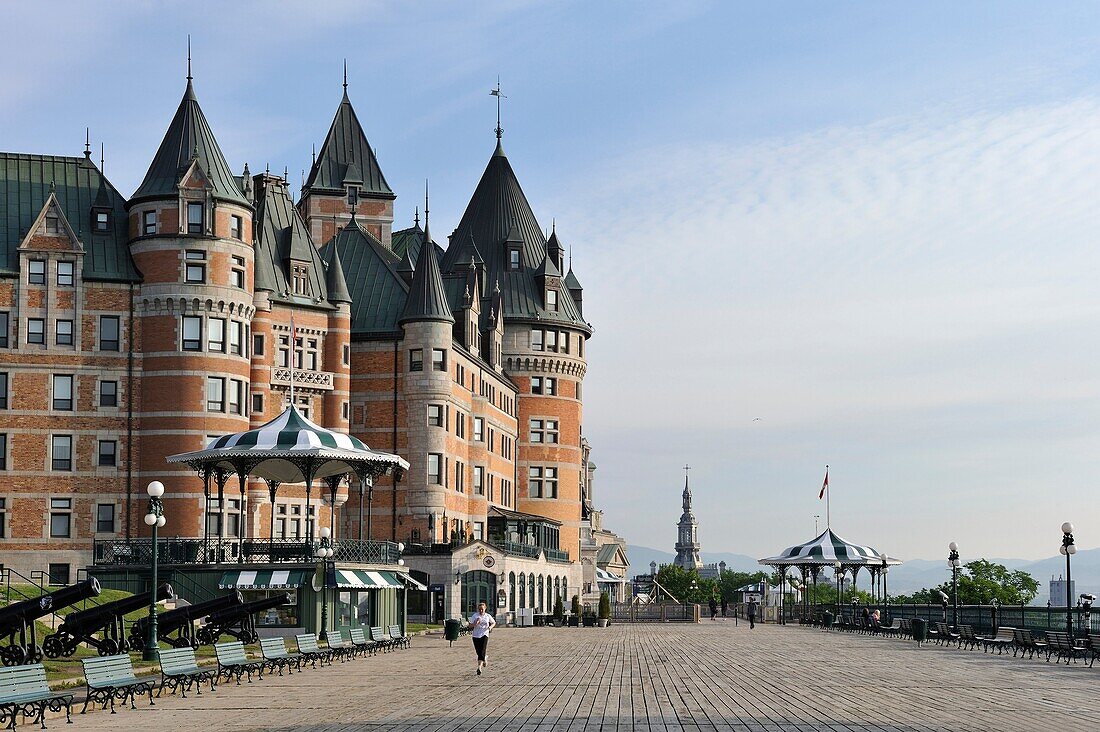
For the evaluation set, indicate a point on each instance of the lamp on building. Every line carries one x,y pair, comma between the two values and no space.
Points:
1068,549
154,520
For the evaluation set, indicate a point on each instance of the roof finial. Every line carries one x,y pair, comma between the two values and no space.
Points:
416,216
286,175
425,204
686,469
345,76
189,57
553,224
87,142
496,93
315,153
102,167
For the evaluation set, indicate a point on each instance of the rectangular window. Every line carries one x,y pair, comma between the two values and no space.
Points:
61,452
536,431
460,425
439,359
550,385
108,393
192,333
435,415
579,387
59,574
108,453
63,392
257,344
479,429
236,396
416,359
311,354
353,196
215,394
194,218
237,273
150,223
3,466
3,518
534,481
536,340
257,403
235,228
36,272
36,330
105,518
53,224
460,477
479,480
564,340
215,335
492,489
552,300
108,332
536,384
61,518
552,340
284,351
435,466
5,325
196,267
3,391
347,355
513,259
102,220
236,337
63,332
65,272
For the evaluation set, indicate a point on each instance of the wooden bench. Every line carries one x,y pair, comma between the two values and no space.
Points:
23,690
112,677
1094,648
277,657
399,639
1024,642
1005,638
233,662
179,670
968,637
892,629
308,648
944,634
1060,645
383,640
359,638
340,645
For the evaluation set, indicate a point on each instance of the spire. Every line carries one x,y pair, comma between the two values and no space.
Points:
345,78
427,298
416,217
347,157
496,93
88,143
188,59
335,281
687,534
687,491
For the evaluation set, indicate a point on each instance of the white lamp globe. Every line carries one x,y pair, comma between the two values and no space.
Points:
400,547
1067,528
161,521
882,556
953,546
151,518
319,552
1072,548
401,562
325,533
155,489
1062,550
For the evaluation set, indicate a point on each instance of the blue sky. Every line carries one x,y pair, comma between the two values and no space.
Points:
872,226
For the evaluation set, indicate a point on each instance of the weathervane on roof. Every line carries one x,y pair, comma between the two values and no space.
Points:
189,57
496,93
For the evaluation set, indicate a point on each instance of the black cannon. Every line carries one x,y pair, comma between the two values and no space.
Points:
81,626
238,621
180,621
18,618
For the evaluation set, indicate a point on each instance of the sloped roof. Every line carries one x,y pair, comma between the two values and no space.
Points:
571,280
427,298
335,281
378,293
280,235
79,185
347,157
409,241
188,136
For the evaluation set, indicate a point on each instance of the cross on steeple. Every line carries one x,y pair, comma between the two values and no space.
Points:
496,93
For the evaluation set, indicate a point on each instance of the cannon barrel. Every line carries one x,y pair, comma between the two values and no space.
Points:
19,614
228,615
78,623
173,619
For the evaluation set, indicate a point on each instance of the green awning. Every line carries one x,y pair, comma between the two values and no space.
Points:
267,579
361,579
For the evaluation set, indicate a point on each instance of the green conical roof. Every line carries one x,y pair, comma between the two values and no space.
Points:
347,157
336,282
427,298
188,138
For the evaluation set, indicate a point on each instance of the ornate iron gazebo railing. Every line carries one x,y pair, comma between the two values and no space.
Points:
139,552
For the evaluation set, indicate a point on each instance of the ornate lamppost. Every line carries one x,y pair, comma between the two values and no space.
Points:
885,571
953,562
154,519
1068,549
322,553
839,585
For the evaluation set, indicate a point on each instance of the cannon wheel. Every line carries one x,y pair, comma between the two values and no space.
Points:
204,637
12,655
252,637
137,643
34,655
54,646
108,647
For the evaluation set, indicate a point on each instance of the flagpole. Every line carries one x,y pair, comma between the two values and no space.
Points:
293,338
828,501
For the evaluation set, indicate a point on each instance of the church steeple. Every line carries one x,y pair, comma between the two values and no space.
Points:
687,536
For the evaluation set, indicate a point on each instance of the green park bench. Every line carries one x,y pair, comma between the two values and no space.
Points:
112,677
179,670
379,637
1060,645
359,638
399,639
23,690
1024,642
340,645
277,657
233,662
307,646
1002,641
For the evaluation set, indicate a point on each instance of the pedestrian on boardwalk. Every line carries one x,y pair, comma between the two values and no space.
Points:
752,612
866,617
713,608
481,623
725,606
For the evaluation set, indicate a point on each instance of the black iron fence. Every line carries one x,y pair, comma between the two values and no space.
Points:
170,550
654,612
980,617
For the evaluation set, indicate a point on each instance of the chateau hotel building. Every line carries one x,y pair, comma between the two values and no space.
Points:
136,328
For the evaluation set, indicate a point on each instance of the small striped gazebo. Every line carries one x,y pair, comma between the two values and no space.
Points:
290,449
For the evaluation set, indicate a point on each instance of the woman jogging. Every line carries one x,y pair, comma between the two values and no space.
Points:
481,623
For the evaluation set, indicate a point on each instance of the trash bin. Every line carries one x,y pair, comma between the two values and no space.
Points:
451,628
826,620
919,626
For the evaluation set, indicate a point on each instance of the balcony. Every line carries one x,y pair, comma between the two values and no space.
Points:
512,548
139,552
303,378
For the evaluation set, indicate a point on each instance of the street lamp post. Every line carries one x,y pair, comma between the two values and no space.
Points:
1068,549
953,562
323,552
839,585
885,572
154,520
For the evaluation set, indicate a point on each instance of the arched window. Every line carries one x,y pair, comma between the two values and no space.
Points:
557,590
542,604
512,591
522,590
565,598
531,588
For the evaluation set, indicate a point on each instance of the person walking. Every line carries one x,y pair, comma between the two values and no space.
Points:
751,609
713,609
725,606
481,623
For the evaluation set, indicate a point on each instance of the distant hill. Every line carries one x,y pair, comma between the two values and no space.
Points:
914,574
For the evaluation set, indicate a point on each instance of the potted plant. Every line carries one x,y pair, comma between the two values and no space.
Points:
589,618
605,610
559,612
575,618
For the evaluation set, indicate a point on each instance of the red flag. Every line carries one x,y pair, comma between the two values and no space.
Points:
824,485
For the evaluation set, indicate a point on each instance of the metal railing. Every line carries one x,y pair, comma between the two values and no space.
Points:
653,612
172,550
513,548
979,617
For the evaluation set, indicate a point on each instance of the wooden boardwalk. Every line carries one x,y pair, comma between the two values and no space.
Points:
710,676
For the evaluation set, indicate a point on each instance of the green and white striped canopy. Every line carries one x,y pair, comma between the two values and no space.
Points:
285,445
361,579
826,550
265,579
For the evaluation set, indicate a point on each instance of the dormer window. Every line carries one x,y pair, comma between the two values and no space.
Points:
513,259
150,222
300,279
235,227
552,300
101,220
194,218
53,224
353,196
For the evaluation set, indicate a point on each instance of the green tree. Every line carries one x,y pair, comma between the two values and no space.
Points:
981,582
730,582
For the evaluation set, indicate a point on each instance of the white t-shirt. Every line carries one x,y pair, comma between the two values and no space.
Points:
483,623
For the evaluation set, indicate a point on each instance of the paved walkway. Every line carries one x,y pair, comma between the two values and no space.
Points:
711,676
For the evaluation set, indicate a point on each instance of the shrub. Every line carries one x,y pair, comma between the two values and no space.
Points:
605,606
